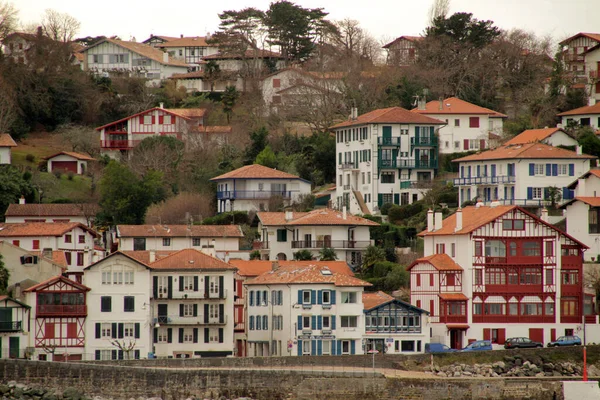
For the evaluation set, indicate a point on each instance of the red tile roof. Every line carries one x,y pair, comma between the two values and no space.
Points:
79,156
258,267
453,296
392,115
209,231
50,210
306,274
144,255
592,201
188,41
252,267
6,140
524,151
255,171
190,259
41,229
316,217
372,300
454,105
534,135
54,279
441,262
179,112
595,109
407,38
339,267
593,36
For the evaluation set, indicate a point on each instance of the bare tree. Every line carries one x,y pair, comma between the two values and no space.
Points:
81,138
439,8
181,209
8,19
126,346
7,106
592,279
59,26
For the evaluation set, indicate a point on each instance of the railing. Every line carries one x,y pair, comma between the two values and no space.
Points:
198,320
260,245
453,319
254,194
335,244
350,165
388,141
424,141
521,202
10,326
407,163
119,144
199,295
513,318
60,310
484,180
416,185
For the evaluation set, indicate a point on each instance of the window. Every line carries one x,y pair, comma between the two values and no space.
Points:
148,120
162,336
531,249
105,331
477,309
562,169
106,275
473,122
276,83
326,322
531,308
349,321
128,330
569,277
188,336
456,144
326,347
306,297
478,249
326,297
388,177
348,297
129,304
345,347
188,310
456,123
513,224
594,220
139,243
196,242
68,239
306,322
36,244
251,323
495,276
167,119
81,238
166,241
306,347
539,170
80,259
387,198
440,248
105,304
495,309
281,235
453,250
536,193
549,277
128,276
549,248
478,276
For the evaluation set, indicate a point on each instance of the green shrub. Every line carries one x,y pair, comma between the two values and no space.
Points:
228,218
70,175
30,157
255,255
57,173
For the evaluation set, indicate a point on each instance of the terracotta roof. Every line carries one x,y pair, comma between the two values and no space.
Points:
189,75
408,38
190,259
40,229
592,201
6,140
453,296
255,171
179,231
252,267
593,36
50,281
454,105
371,300
441,262
534,135
258,267
524,151
188,41
304,275
247,54
7,298
179,112
392,115
339,267
595,172
49,210
144,255
79,156
473,218
595,109
316,217
143,50
60,258
23,35
166,38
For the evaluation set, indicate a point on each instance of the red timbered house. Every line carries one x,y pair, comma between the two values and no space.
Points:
58,318
496,272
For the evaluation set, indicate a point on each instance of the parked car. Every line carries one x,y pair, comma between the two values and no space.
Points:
479,345
438,348
566,341
521,343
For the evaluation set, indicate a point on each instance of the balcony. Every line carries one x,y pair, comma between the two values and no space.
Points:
423,141
51,310
350,165
119,144
199,295
416,184
335,244
521,202
199,320
347,188
10,326
388,141
254,194
484,180
407,163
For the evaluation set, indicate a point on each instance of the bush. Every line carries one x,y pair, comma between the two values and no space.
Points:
30,157
27,175
228,218
70,175
255,255
57,173
385,208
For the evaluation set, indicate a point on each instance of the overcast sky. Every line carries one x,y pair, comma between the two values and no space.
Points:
384,19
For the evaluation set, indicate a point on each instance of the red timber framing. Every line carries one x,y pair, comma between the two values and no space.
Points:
59,332
453,308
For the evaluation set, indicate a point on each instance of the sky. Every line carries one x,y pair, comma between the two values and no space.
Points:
384,19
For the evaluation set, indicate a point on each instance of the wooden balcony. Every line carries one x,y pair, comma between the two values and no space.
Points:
335,244
453,319
254,194
64,310
499,319
10,326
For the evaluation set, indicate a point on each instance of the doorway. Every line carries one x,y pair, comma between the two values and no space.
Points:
163,313
456,339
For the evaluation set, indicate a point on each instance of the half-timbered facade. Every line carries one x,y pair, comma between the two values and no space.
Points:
514,275
403,50
574,51
14,328
58,314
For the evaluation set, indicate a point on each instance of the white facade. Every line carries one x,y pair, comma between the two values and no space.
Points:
592,66
582,212
22,265
121,329
14,328
5,155
591,119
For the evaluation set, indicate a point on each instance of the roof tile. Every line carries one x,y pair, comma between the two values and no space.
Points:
188,41
40,229
533,135
179,231
454,105
79,156
315,217
306,274
595,109
50,210
371,300
255,171
524,151
392,115
453,296
6,140
190,259
441,262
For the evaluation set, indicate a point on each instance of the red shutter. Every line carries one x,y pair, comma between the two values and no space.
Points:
49,330
142,119
17,243
36,244
487,333
418,279
153,120
161,119
466,144
501,335
481,144
552,334
276,83
598,87
72,330
430,279
68,257
536,334
473,122
432,307
419,303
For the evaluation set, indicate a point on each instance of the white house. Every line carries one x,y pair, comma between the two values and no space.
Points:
468,126
499,272
36,266
285,233
6,145
156,40
550,136
308,310
584,116
519,174
574,53
251,187
388,155
403,50
118,325
592,67
191,49
393,326
111,56
198,81
68,161
74,239
14,327
68,212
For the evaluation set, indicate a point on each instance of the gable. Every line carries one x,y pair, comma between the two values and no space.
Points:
395,306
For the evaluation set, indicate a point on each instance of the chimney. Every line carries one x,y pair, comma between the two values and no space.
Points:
421,103
353,113
429,220
17,291
479,203
579,150
592,101
22,200
437,221
226,257
441,103
151,256
275,265
161,105
459,220
165,57
344,213
289,215
544,216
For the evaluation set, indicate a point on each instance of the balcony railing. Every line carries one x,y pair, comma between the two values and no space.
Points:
484,180
388,141
416,185
407,163
350,165
198,320
199,295
426,141
335,244
456,319
119,144
43,310
10,326
254,194
521,202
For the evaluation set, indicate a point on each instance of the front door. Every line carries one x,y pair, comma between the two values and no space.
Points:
456,339
163,313
13,347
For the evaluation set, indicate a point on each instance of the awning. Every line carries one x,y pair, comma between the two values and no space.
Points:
453,297
457,326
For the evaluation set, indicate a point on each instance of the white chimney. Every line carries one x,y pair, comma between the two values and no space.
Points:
479,203
429,220
161,105
22,200
421,104
17,291
275,265
579,150
544,216
353,113
459,220
226,257
151,256
437,221
592,101
289,215
441,103
344,213
165,57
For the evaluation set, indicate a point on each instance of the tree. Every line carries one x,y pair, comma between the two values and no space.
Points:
303,255
327,254
267,158
371,256
439,9
183,208
255,255
258,142
554,194
4,276
212,73
228,100
12,187
82,138
159,153
8,19
125,346
59,26
239,30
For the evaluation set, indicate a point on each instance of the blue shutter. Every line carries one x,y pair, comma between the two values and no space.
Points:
313,348
333,342
529,193
319,347
299,346
332,297
339,349
320,297
493,170
531,169
313,325
299,322
546,193
353,347
299,296
319,322
571,169
478,171
554,169
333,322
548,169
313,297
